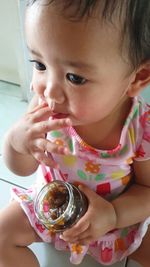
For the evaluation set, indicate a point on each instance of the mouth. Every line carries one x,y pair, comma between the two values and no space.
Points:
59,116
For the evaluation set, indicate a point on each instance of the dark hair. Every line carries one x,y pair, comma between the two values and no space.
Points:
136,24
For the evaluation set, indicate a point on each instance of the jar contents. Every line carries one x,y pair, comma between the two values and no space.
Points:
59,205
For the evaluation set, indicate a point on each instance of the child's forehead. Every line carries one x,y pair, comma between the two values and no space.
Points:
79,9
74,12
89,36
44,15
50,14
130,17
91,30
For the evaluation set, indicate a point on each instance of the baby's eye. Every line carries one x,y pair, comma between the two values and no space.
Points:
38,65
75,79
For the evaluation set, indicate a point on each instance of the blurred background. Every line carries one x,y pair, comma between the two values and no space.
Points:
14,65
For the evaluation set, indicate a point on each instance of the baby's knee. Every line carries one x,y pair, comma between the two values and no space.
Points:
8,225
142,254
5,236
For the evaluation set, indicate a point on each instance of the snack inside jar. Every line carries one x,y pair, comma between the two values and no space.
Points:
59,205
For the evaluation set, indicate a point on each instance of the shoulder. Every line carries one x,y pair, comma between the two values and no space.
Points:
141,162
142,172
143,131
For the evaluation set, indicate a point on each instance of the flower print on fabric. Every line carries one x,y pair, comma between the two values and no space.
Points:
107,172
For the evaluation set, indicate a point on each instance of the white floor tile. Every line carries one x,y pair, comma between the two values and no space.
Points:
4,194
10,89
49,257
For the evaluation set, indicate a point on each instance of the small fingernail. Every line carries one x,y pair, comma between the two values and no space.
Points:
44,104
67,151
63,238
64,150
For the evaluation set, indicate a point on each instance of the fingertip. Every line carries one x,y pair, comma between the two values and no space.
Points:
67,151
68,122
81,187
61,236
44,104
63,150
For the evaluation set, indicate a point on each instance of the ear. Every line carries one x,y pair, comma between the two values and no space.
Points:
140,81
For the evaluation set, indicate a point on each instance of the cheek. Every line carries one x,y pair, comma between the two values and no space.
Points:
94,106
38,86
82,102
81,107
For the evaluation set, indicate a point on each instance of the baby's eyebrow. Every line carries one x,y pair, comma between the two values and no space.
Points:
79,65
74,64
33,52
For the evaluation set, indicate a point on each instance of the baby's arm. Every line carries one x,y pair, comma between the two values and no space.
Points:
20,163
133,206
25,143
102,216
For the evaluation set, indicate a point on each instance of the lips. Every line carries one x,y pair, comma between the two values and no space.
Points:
59,116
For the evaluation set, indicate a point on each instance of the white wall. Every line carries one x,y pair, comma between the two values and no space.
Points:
14,66
9,41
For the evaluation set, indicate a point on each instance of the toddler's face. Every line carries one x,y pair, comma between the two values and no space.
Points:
78,68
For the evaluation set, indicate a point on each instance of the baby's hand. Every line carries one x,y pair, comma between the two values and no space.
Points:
99,219
28,136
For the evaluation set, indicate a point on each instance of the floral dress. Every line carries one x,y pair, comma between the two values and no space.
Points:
107,172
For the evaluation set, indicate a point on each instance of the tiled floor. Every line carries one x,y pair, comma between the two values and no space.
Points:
11,108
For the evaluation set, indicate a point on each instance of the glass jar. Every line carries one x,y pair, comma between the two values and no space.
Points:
59,205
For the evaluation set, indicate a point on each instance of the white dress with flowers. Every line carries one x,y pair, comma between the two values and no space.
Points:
107,172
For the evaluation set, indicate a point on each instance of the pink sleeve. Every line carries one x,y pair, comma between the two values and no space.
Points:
143,149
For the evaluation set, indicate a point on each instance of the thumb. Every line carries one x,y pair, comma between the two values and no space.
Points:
89,193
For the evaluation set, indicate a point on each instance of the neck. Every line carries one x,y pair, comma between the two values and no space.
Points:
109,129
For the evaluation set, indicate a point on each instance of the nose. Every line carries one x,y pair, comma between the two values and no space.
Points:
54,92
